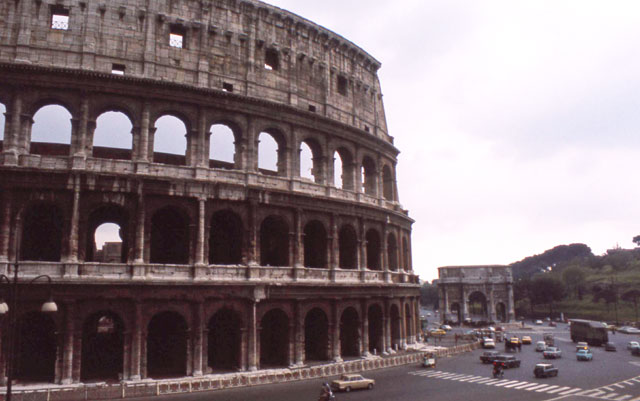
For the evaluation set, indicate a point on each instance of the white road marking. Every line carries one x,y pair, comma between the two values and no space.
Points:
506,382
609,396
557,390
515,384
537,387
570,391
546,389
623,398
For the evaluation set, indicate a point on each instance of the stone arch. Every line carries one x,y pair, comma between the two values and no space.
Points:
223,137
376,338
102,347
396,324
315,245
456,311
392,252
344,172
477,306
316,335
373,249
274,338
42,233
271,147
348,247
225,238
51,130
170,140
224,340
274,242
108,213
169,236
368,171
310,160
167,345
36,348
113,138
387,183
501,312
350,333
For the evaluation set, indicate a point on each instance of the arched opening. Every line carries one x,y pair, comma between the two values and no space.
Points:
338,168
373,250
405,255
51,131
167,346
348,247
169,237
3,122
306,162
224,340
349,333
392,252
396,322
387,183
477,306
368,171
315,245
225,239
501,312
268,154
42,233
342,169
274,242
102,347
274,339
316,335
108,240
221,147
170,141
408,320
112,138
35,357
374,315
108,244
456,312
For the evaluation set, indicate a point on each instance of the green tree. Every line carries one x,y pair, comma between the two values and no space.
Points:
546,290
632,296
574,277
636,240
429,295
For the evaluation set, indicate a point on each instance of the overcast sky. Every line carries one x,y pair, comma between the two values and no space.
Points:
518,121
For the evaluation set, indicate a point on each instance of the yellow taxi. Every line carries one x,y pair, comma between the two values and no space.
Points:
515,340
437,332
526,340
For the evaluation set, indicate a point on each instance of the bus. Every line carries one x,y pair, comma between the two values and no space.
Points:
593,333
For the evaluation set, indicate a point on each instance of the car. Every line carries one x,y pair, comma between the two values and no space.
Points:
635,351
429,361
538,322
540,346
552,324
526,340
582,345
488,343
488,356
628,330
584,355
552,353
437,332
610,347
632,345
507,361
352,382
514,340
446,327
545,370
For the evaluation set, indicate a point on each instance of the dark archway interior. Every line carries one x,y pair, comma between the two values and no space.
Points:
35,357
225,239
348,243
375,329
224,340
392,252
373,250
477,305
501,312
315,245
369,176
42,234
349,336
108,214
274,339
102,347
169,237
167,346
395,327
274,242
316,335
456,312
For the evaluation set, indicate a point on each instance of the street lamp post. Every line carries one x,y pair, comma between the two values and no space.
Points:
48,307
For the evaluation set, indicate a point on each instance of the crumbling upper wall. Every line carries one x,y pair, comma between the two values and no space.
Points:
226,46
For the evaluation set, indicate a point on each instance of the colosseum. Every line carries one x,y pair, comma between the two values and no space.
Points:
240,151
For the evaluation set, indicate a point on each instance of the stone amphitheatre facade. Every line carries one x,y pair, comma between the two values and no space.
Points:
223,264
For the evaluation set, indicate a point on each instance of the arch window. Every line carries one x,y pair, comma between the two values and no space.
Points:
167,345
221,147
477,306
349,333
373,250
225,239
224,340
315,245
387,183
392,252
35,357
274,339
42,233
107,245
348,247
306,162
51,131
170,141
268,154
107,239
3,124
112,138
169,237
368,172
338,171
316,335
102,347
374,315
274,242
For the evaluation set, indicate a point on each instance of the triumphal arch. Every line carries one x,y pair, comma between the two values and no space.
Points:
476,294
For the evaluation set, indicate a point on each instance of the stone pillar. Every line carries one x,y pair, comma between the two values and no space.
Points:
142,150
385,251
5,228
252,234
68,343
298,240
75,222
79,134
365,329
445,305
299,336
23,139
284,163
201,148
336,351
200,263
140,222
198,326
465,305
491,306
418,323
136,342
12,129
511,314
362,241
334,247
244,348
387,326
403,324
253,356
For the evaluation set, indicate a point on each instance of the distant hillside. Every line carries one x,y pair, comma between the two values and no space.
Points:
557,257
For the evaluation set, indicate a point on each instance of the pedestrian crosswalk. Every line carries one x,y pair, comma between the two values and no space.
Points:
610,392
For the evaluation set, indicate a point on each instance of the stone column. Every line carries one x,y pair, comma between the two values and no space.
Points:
142,150
403,324
334,247
298,240
299,336
200,263
365,329
12,122
244,348
79,134
362,241
444,316
136,342
385,252
491,306
140,222
251,249
418,323
5,228
200,148
387,326
198,326
465,305
337,354
72,257
284,163
68,343
511,314
23,139
253,356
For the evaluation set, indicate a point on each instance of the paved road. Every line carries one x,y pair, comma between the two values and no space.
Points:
610,376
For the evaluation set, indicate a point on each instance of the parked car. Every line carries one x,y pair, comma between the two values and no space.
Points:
508,361
632,345
635,351
352,382
582,345
446,327
545,370
488,343
552,324
552,353
629,330
488,356
526,340
437,332
584,355
540,346
610,347
538,322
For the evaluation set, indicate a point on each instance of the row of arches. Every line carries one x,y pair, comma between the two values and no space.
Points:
173,140
171,233
168,340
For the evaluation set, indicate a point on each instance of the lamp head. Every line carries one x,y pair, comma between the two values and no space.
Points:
4,308
49,307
